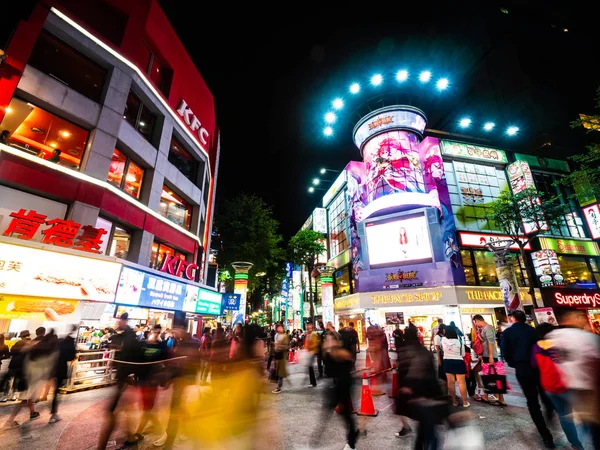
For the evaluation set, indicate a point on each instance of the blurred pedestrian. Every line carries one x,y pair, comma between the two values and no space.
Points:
4,354
67,352
518,342
282,342
331,340
205,349
398,337
18,353
311,345
405,352
439,351
434,332
489,357
454,365
350,341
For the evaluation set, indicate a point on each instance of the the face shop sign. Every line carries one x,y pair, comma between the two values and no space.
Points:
193,122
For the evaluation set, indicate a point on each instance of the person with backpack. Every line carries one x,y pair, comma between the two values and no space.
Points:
477,348
545,361
489,357
518,341
454,365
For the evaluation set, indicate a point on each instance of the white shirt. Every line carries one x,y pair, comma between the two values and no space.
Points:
453,349
436,340
578,355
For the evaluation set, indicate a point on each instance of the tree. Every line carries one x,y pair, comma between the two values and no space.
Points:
585,180
529,208
304,249
248,232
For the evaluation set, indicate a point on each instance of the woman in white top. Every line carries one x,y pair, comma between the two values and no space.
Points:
454,365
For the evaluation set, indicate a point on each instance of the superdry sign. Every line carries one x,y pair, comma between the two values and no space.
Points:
572,298
188,116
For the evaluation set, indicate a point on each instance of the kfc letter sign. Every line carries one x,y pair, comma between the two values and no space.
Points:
193,122
174,265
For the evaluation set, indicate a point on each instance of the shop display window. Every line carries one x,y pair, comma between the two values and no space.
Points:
160,252
480,268
117,240
338,224
140,117
175,208
342,283
183,160
125,174
467,260
43,134
576,271
595,271
486,268
65,64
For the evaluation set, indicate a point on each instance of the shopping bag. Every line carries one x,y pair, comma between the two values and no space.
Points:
494,383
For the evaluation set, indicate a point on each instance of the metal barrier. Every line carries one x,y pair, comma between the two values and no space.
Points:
90,370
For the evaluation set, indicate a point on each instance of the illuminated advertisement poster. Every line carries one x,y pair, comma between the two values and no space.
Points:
592,217
547,268
209,302
520,178
327,299
508,286
143,289
394,117
470,151
545,315
133,312
37,308
320,220
398,241
480,240
35,272
411,276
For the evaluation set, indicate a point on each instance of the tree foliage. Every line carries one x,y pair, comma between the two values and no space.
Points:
248,232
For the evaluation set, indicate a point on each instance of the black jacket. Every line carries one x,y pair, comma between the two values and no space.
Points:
517,344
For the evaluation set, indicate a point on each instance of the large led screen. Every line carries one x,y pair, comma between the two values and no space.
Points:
398,241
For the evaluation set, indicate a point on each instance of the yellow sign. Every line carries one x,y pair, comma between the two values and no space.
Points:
342,303
406,297
492,294
36,308
473,310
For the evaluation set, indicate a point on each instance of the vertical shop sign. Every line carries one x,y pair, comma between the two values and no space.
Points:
508,284
521,178
547,268
592,217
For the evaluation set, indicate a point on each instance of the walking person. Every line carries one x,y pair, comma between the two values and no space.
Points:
405,353
5,382
398,337
311,345
454,365
439,351
489,356
67,352
282,342
349,338
518,341
205,350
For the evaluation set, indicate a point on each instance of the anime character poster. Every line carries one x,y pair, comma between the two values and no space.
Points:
357,200
508,285
392,165
435,183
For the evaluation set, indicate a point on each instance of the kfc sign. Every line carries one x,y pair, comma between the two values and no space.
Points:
188,116
174,265
573,298
62,233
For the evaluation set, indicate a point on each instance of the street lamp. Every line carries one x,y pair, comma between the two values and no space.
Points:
324,170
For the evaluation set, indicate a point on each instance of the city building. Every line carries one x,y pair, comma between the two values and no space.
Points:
109,154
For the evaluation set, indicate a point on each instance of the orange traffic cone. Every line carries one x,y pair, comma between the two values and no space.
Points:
367,408
368,362
375,385
394,391
291,356
340,407
296,357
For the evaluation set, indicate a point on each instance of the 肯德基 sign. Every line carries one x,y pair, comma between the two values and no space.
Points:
140,288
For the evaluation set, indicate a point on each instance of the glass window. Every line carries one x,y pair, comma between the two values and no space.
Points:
140,117
183,160
576,272
125,174
65,64
486,268
41,133
175,208
342,285
467,261
119,245
160,252
338,225
160,74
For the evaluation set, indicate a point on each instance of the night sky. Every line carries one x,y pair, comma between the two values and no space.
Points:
274,73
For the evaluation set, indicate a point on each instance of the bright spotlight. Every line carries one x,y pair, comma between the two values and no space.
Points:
465,122
511,131
323,171
376,79
328,131
316,181
338,103
330,117
442,84
425,76
311,189
354,88
489,126
402,75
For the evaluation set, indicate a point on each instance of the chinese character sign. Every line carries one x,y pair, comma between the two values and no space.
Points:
592,217
143,289
62,233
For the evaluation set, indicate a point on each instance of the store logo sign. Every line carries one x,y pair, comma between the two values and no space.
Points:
592,217
188,116
173,265
565,247
583,299
406,298
402,276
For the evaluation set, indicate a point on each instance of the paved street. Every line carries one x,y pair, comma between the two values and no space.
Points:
287,421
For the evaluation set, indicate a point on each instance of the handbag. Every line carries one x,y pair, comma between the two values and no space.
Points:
494,383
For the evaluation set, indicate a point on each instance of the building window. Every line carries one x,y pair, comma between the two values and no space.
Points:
125,174
117,240
65,64
175,208
160,252
140,117
480,268
183,160
160,74
342,283
467,260
576,271
338,224
41,133
472,188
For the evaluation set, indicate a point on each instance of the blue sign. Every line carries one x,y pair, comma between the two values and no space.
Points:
140,288
289,268
231,302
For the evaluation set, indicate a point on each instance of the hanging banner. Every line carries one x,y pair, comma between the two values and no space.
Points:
592,217
521,178
545,315
508,286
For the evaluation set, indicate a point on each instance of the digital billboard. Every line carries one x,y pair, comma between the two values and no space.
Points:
405,117
398,241
140,288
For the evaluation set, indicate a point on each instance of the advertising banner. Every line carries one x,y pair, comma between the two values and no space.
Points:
231,302
133,312
572,298
393,318
545,315
412,119
508,286
470,151
547,268
327,300
320,220
35,272
481,240
592,217
418,275
37,308
140,288
570,246
209,302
